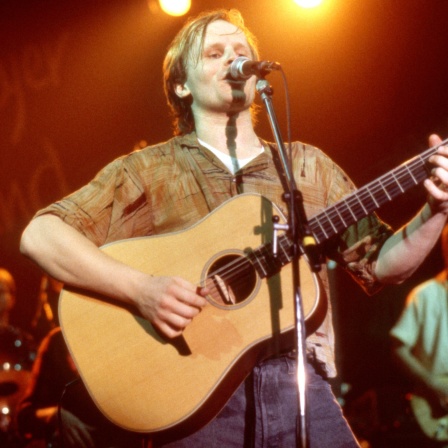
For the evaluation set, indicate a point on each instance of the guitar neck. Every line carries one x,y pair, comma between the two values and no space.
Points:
349,210
371,197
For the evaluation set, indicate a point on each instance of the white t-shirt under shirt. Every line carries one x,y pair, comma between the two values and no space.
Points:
232,163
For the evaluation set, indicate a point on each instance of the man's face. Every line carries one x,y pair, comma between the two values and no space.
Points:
207,75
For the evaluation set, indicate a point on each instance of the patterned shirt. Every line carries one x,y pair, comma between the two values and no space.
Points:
170,186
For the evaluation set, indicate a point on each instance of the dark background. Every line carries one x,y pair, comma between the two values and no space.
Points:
80,84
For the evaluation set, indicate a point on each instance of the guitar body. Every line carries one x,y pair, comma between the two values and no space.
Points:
145,383
431,417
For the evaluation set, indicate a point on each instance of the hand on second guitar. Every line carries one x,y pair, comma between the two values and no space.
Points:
439,386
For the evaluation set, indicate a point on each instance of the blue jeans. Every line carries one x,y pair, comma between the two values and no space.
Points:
262,413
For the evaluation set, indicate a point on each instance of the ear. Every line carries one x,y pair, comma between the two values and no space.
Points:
182,90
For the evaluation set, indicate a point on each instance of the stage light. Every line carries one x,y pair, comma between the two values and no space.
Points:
175,7
308,3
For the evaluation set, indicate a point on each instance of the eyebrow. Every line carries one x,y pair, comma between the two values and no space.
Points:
218,45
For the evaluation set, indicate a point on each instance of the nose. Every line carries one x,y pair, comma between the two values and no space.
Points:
230,55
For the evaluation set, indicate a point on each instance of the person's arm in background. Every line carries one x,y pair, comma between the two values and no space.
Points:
429,384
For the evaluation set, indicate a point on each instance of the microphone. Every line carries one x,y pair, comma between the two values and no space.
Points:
243,68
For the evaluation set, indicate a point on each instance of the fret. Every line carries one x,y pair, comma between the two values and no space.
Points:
337,219
257,256
368,199
321,227
406,180
378,194
264,260
331,221
420,171
327,225
349,208
398,183
285,251
412,176
315,229
385,190
373,198
417,167
341,217
357,207
362,205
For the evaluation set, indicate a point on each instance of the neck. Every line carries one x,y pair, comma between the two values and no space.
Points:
232,134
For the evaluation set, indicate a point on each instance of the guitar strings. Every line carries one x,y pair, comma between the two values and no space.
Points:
232,272
332,220
377,192
352,204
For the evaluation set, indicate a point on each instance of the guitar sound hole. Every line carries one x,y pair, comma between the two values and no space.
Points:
231,279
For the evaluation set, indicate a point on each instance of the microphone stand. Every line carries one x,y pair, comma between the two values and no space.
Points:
303,243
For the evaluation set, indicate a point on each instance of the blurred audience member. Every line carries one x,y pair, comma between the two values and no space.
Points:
57,410
420,346
7,296
16,359
46,316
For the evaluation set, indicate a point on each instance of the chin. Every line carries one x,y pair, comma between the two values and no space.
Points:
239,97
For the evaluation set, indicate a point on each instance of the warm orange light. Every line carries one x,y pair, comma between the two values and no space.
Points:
308,3
175,7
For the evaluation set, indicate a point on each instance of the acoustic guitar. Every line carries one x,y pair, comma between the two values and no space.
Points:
145,383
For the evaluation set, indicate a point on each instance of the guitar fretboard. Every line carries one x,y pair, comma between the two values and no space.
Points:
344,213
372,196
349,210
